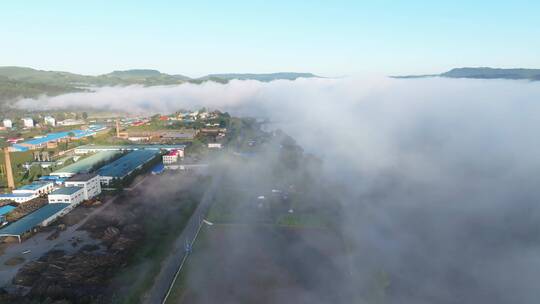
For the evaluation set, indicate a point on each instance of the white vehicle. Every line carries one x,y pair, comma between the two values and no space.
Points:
26,252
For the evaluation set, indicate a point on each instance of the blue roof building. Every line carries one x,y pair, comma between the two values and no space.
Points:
66,191
41,217
158,169
52,137
38,187
17,197
125,165
5,210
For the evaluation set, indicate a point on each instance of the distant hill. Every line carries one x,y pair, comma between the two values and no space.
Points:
486,73
22,82
142,76
492,73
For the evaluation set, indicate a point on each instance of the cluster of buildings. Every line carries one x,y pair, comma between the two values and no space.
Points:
28,122
195,115
68,187
61,200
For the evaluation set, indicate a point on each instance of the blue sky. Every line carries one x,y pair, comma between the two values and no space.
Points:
331,38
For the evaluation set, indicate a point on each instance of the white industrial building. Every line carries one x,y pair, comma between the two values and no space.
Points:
49,120
214,145
28,122
8,123
67,195
71,122
17,197
36,188
172,157
89,182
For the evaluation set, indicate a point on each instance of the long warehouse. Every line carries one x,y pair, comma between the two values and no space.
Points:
86,164
125,165
41,217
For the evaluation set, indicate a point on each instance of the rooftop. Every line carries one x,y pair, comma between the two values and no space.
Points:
51,178
130,147
66,191
158,168
172,153
31,220
86,164
13,195
59,135
83,177
35,185
6,209
127,163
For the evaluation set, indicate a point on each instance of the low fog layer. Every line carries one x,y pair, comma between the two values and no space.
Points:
442,184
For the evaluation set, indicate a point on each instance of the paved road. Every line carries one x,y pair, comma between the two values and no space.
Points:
170,266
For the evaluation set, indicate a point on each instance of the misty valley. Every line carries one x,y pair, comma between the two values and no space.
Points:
269,152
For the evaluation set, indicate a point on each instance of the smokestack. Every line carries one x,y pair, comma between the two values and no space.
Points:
9,170
117,128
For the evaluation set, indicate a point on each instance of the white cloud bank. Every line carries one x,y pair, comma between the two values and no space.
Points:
442,175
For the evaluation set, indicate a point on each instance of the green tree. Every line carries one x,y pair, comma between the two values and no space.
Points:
84,115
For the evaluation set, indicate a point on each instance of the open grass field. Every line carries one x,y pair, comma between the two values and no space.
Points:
240,263
168,202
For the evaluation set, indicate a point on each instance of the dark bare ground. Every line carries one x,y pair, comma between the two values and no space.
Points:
130,230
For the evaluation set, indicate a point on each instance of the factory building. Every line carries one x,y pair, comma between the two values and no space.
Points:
28,122
5,210
49,120
67,195
51,139
98,148
41,217
172,157
214,145
85,165
125,165
17,197
59,181
8,123
89,182
37,188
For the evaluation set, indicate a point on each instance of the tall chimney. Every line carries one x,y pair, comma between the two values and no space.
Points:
9,170
117,128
